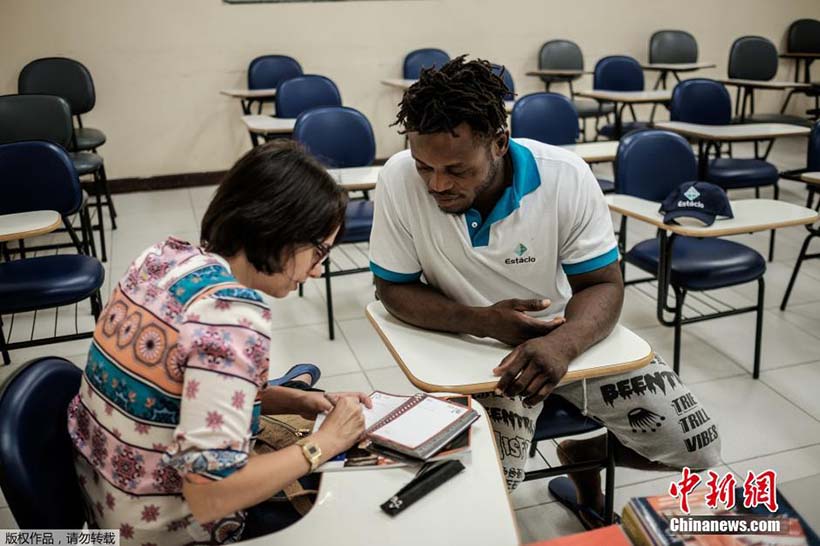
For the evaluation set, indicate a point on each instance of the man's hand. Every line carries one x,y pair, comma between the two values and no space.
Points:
507,321
532,370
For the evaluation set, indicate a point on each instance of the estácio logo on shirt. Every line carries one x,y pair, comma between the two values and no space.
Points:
520,250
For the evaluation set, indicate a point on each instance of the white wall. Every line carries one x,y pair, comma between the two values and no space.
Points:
158,65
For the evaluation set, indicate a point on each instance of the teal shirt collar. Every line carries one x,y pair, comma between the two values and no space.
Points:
525,180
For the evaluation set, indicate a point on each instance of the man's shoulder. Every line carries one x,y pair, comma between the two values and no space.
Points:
399,165
399,174
547,156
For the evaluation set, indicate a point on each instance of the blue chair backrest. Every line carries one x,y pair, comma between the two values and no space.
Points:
703,101
753,58
813,160
672,46
508,80
547,117
423,58
268,71
618,73
302,93
650,164
37,175
338,136
36,455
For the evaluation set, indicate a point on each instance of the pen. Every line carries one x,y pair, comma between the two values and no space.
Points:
421,485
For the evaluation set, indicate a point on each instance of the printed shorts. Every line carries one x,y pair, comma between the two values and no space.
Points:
649,410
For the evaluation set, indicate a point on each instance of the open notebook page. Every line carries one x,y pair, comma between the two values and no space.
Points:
383,404
424,420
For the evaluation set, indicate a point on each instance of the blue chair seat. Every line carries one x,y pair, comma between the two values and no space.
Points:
85,162
730,173
358,222
607,186
608,130
702,264
88,138
48,281
589,108
560,418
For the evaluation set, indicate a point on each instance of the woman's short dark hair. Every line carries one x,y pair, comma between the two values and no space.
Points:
275,198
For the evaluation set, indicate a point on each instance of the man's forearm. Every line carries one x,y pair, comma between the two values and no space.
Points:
423,306
590,314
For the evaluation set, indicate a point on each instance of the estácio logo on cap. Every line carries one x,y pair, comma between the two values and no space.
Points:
696,203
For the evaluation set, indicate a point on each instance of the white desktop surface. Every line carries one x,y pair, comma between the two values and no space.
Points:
471,508
440,362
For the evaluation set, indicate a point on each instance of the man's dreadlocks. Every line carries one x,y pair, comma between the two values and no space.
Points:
458,92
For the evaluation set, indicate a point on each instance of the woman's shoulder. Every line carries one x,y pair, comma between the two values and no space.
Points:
229,303
179,278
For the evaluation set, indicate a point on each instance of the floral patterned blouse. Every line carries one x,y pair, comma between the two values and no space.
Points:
172,385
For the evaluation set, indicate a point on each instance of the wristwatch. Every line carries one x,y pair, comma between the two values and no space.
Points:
311,451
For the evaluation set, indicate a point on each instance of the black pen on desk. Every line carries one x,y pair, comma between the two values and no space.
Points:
427,467
421,485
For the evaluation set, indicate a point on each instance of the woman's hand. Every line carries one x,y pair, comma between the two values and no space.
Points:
312,403
343,427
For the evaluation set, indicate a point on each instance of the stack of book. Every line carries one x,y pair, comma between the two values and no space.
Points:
605,536
646,520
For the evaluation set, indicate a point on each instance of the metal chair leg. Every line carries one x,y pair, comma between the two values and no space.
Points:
3,350
112,212
86,218
533,448
96,305
301,290
761,291
84,236
609,488
796,270
786,102
98,191
72,234
771,238
329,295
679,297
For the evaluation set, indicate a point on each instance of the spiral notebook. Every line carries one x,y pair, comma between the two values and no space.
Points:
390,408
421,426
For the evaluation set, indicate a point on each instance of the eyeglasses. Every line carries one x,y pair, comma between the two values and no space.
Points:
322,252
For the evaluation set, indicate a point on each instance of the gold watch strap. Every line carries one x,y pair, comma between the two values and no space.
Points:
311,451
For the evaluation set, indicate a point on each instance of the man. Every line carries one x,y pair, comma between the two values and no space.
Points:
476,233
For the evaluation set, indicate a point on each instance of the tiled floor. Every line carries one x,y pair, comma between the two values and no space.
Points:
773,422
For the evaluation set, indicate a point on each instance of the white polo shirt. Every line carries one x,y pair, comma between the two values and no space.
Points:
551,222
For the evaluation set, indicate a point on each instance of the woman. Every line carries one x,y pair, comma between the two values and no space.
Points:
177,372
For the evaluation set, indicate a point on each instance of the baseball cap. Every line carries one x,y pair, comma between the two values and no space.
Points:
701,201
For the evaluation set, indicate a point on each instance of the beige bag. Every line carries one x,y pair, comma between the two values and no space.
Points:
278,432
